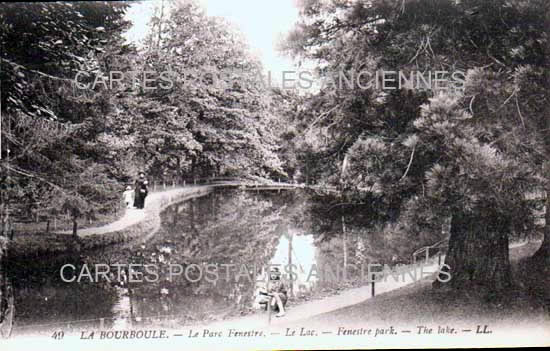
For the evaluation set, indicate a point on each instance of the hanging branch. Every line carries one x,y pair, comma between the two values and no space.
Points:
472,104
18,66
346,204
409,165
319,118
161,17
519,112
23,173
57,187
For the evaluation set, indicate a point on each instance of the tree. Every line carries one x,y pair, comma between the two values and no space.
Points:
208,114
470,153
544,95
50,127
53,41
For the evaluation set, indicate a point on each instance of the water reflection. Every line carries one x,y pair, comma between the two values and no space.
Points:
44,302
297,252
227,228
7,306
225,231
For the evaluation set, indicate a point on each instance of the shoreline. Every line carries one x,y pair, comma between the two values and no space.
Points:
134,226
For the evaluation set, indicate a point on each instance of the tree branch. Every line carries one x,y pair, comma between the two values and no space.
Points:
16,65
409,165
519,112
320,117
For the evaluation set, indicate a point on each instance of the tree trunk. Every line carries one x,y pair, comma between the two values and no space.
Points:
214,206
546,241
543,253
538,281
75,226
478,257
193,168
4,219
176,214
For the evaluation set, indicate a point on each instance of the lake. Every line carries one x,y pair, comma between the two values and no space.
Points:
206,263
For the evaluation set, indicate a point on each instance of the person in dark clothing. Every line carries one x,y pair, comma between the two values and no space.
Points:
279,297
277,292
141,191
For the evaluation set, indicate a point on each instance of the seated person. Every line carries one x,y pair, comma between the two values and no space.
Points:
279,297
277,294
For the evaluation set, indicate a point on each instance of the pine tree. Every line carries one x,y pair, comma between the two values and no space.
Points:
211,115
472,154
50,128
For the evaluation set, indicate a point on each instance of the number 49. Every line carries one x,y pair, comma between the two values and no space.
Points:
58,335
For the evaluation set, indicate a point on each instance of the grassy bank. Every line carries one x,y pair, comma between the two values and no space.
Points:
64,223
35,245
420,304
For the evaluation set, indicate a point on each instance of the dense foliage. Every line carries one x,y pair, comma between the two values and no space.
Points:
83,111
471,149
52,160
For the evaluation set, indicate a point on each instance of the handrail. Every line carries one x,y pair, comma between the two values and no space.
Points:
431,246
440,244
254,182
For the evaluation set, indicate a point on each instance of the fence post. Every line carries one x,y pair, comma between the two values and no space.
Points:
269,299
101,323
427,254
373,277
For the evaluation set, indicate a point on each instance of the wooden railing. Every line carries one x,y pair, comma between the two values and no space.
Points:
439,247
42,221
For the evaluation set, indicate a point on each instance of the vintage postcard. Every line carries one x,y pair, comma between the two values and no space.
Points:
274,175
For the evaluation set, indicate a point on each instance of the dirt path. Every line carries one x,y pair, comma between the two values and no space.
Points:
158,201
154,204
344,299
330,306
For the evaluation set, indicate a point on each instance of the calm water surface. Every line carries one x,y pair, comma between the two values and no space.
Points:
227,227
242,228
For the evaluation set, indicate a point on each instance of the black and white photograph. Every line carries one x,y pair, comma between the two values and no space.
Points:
274,174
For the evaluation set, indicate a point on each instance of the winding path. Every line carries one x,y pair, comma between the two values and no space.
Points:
327,305
157,202
154,204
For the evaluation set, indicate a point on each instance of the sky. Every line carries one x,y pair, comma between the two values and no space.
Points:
263,22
